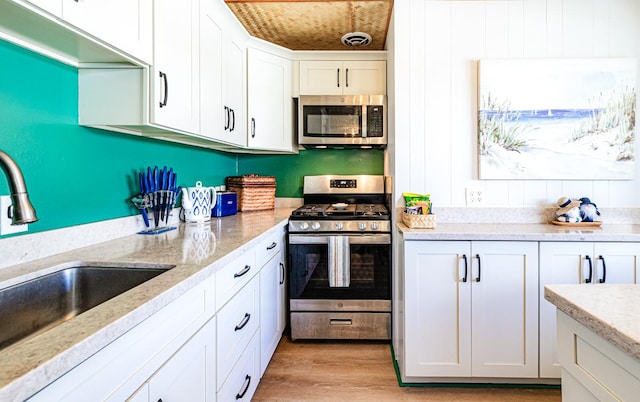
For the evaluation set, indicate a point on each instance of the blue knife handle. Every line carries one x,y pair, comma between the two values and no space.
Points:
150,186
143,187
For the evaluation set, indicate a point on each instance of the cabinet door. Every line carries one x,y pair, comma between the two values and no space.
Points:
211,59
233,111
175,72
560,263
365,78
269,310
321,77
438,308
504,309
616,263
189,374
269,101
124,24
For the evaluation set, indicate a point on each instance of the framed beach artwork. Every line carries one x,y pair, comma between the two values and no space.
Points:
571,119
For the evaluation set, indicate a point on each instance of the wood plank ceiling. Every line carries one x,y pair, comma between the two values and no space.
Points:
314,24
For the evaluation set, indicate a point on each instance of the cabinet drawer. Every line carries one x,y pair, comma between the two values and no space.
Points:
268,248
340,325
230,279
237,322
245,375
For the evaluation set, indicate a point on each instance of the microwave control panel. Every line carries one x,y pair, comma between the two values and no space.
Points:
375,121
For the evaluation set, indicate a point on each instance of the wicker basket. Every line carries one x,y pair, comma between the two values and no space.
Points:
255,193
419,221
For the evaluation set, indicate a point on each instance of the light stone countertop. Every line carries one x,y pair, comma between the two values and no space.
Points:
523,232
32,364
611,311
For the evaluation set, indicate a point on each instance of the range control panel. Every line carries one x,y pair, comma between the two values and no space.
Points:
344,183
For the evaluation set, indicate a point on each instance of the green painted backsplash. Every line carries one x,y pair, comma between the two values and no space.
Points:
78,175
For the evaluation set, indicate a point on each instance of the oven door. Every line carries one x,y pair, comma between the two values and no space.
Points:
340,266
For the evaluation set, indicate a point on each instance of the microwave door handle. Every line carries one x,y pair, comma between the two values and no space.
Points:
364,121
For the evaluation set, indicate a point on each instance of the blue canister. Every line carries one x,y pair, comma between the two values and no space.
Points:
226,204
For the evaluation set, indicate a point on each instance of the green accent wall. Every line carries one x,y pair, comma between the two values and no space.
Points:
77,175
289,170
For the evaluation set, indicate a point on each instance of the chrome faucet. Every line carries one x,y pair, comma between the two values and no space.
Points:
21,210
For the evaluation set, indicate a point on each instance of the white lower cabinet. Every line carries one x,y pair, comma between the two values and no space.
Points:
243,379
272,304
186,376
589,263
157,345
471,309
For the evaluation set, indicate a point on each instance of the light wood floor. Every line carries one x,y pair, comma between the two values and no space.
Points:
322,371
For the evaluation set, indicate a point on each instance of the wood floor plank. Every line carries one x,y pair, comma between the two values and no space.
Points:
344,371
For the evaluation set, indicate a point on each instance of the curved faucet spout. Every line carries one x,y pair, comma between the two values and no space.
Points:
23,211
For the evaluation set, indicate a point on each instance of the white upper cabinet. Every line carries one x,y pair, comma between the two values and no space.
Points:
233,89
124,24
175,72
269,101
211,59
325,77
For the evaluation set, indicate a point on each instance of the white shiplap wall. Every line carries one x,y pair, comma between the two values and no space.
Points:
434,46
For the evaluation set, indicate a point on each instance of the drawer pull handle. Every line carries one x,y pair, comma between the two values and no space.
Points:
282,272
244,322
244,271
340,321
247,380
588,280
466,268
604,270
272,246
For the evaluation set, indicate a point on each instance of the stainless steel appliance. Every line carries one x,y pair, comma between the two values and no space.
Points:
342,121
340,260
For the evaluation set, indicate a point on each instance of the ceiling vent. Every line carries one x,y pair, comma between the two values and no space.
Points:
356,39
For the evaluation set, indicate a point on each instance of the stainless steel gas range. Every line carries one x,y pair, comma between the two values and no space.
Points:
340,260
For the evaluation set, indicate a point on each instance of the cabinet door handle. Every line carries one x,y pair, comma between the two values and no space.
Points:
244,271
247,380
338,78
226,118
164,78
282,273
272,246
233,120
253,128
244,322
604,270
588,280
479,268
346,73
466,268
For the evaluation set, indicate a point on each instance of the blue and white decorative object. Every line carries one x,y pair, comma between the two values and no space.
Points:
568,210
197,203
588,210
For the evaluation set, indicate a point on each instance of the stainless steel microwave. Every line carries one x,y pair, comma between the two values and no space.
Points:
342,121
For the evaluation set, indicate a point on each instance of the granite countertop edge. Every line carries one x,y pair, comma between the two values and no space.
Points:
522,232
31,365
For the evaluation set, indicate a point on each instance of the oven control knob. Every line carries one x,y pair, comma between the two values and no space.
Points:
315,225
374,226
362,226
339,226
304,225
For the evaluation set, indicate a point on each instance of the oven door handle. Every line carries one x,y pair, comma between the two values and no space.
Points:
356,239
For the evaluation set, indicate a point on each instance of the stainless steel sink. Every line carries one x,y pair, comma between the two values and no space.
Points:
37,305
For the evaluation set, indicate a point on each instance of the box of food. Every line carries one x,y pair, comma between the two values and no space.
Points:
255,193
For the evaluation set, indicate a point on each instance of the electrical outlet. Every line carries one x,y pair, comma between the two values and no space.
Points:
475,196
5,220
